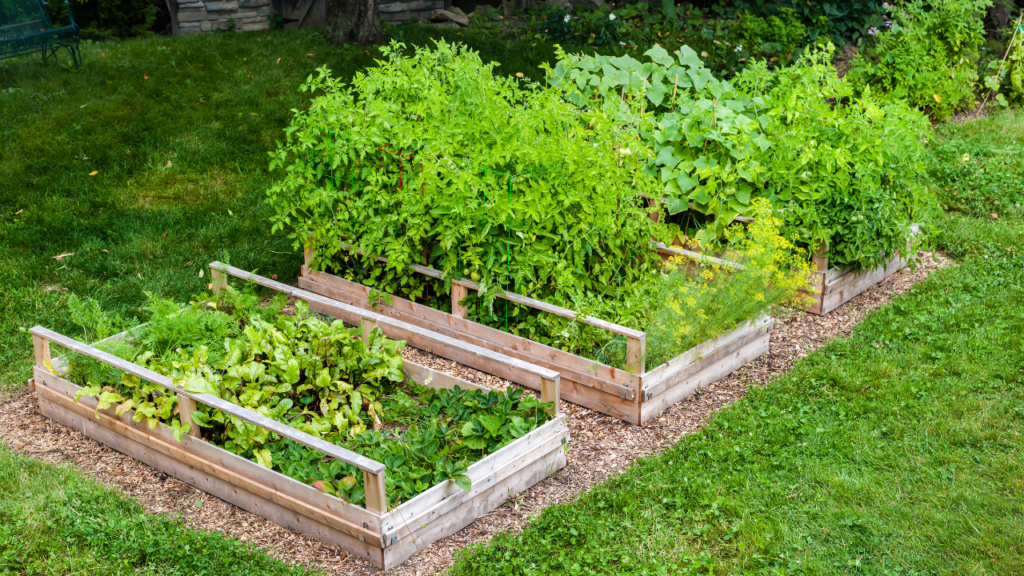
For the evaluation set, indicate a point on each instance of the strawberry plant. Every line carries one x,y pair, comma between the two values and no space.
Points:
317,376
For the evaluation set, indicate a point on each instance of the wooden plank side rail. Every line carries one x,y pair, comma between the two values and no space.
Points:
635,339
373,471
181,453
539,372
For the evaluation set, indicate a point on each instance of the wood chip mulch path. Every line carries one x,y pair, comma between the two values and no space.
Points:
601,446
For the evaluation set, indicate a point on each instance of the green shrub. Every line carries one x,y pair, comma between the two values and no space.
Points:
927,58
1007,79
106,19
844,21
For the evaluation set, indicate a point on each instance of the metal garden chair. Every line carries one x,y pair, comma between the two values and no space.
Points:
25,28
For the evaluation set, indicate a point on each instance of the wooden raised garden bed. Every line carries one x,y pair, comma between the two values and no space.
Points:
386,537
636,395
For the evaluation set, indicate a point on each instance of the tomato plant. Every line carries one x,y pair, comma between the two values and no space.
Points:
431,158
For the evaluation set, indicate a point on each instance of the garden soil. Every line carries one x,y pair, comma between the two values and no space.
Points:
600,446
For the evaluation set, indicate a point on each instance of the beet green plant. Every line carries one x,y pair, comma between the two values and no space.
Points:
315,375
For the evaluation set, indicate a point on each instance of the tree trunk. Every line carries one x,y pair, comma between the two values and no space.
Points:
352,21
999,16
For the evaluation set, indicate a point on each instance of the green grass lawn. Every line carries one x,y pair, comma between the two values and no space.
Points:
896,451
177,131
56,521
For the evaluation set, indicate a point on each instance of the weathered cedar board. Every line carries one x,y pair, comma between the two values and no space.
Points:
584,382
835,287
385,540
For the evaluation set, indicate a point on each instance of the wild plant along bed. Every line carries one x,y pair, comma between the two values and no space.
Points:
319,427
503,214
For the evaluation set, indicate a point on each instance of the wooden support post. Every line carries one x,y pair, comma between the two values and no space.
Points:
367,326
655,216
218,281
376,496
459,293
550,391
636,350
819,259
307,255
41,346
186,406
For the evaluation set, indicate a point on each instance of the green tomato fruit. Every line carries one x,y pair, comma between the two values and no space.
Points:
465,271
475,276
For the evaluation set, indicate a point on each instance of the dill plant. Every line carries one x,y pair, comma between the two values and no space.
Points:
694,301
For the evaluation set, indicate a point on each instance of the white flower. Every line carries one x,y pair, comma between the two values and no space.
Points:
567,18
739,48
626,151
611,16
622,43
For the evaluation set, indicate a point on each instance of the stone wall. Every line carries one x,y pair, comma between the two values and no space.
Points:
196,16
398,10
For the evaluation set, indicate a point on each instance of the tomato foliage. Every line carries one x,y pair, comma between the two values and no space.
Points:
431,158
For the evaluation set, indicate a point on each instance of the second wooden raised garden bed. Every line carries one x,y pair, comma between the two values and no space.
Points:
636,396
384,536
